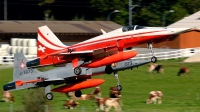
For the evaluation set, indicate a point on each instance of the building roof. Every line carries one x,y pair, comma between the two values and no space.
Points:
190,21
58,26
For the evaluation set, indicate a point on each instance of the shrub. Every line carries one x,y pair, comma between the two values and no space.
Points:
35,101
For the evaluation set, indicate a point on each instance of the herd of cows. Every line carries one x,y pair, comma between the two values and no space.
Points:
115,97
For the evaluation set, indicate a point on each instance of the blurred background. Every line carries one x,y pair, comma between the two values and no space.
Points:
144,12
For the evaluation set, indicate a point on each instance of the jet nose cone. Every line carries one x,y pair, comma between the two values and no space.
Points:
179,30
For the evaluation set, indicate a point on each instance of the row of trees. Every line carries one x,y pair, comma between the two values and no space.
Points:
149,12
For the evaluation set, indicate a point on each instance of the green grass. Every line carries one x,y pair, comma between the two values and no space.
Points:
181,94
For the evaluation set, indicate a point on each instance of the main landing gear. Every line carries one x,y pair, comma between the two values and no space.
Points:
153,59
49,96
77,70
48,93
119,87
109,70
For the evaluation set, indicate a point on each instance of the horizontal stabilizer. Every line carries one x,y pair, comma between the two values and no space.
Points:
57,79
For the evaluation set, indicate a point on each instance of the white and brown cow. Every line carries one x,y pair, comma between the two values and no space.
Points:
7,96
114,93
86,97
71,95
155,68
97,92
71,104
155,97
102,103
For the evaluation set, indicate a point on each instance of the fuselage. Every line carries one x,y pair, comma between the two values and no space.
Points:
61,75
101,46
125,39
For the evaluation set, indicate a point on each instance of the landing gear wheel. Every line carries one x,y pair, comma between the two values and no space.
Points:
119,87
154,59
108,70
49,96
78,93
77,70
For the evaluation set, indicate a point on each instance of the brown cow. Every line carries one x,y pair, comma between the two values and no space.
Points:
183,70
109,103
155,97
7,96
71,104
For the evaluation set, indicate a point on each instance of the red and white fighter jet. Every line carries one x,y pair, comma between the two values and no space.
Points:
101,50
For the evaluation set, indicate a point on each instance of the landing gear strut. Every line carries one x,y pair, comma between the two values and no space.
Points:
153,59
119,87
48,93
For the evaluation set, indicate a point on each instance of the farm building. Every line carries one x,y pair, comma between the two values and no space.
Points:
68,32
20,36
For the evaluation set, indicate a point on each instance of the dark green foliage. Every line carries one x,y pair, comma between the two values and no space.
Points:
150,12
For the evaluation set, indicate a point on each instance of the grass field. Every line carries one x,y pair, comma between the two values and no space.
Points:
181,93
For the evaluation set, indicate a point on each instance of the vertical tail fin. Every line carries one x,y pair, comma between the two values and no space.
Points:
22,76
20,69
47,41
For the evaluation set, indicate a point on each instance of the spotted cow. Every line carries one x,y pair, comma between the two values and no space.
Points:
155,97
105,104
71,104
7,96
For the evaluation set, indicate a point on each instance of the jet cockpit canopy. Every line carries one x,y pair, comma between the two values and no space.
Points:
132,27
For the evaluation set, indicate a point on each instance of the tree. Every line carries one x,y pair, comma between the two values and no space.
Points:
104,7
151,12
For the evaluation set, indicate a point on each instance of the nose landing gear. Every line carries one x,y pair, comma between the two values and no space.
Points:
153,59
119,87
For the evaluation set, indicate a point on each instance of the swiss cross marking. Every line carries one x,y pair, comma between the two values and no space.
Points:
22,65
41,48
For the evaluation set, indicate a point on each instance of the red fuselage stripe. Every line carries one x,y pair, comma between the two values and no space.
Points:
117,37
48,40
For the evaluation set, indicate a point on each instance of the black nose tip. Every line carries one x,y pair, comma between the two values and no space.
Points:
33,63
9,86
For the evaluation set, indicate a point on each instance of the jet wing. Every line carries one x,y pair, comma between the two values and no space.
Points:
77,52
66,53
56,79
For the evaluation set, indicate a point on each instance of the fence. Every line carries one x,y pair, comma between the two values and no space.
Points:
175,54
10,59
